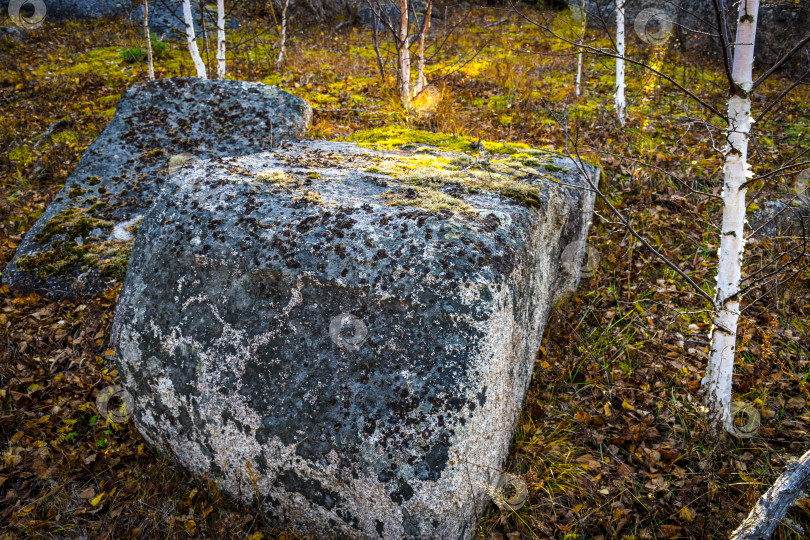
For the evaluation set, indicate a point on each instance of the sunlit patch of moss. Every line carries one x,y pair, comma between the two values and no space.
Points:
22,155
505,176
568,25
427,198
273,176
276,79
309,196
103,60
108,100
394,137
65,137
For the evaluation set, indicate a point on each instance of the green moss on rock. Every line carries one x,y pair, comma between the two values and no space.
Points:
70,223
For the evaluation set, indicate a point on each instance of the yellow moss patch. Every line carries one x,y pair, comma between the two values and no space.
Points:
273,176
393,137
427,198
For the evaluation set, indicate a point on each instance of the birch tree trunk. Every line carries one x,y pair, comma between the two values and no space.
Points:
149,62
420,81
771,508
376,21
619,98
204,29
220,39
192,40
717,383
404,58
579,55
283,45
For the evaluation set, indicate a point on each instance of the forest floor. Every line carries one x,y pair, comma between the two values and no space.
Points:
612,443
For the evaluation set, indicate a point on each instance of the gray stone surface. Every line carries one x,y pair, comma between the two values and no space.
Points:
358,326
166,19
782,218
391,12
81,243
80,9
12,33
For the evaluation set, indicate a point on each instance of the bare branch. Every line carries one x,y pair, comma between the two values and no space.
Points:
781,61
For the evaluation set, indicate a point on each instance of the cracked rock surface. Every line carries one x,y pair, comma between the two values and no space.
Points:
355,327
81,243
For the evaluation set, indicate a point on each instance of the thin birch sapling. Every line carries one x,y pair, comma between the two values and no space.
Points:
205,36
220,39
283,43
404,58
149,61
619,98
192,41
579,53
421,82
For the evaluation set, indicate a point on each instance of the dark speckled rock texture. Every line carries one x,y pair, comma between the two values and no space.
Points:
80,9
358,326
81,242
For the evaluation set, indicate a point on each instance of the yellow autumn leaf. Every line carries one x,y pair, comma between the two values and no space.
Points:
626,406
687,514
97,499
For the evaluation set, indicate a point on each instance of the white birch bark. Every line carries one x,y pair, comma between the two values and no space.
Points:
404,58
717,383
579,54
283,45
220,39
421,82
619,98
771,508
149,62
192,40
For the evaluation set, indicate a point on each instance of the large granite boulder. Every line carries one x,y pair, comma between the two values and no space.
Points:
81,243
353,330
77,9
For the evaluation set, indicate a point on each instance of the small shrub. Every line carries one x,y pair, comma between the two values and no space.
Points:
138,54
